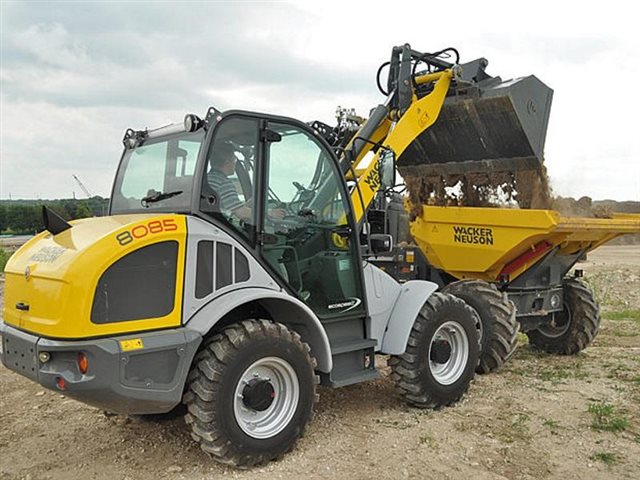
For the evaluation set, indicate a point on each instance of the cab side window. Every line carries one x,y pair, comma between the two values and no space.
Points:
229,183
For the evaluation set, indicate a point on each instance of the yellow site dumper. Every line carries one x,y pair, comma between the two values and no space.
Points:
501,245
511,265
480,253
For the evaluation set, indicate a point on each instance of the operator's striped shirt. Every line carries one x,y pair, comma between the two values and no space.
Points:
226,191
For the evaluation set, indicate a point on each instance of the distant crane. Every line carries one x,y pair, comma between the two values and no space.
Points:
84,189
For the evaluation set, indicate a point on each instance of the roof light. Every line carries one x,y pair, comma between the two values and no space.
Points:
192,122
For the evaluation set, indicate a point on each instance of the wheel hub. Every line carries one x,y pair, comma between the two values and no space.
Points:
448,353
266,397
558,324
258,394
440,351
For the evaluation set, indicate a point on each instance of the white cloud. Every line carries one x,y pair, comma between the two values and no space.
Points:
73,78
53,45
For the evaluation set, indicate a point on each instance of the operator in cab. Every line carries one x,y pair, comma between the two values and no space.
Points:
223,166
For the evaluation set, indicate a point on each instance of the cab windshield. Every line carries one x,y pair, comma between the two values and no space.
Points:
157,175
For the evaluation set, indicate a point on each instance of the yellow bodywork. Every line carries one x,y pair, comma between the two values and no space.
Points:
57,275
397,137
470,242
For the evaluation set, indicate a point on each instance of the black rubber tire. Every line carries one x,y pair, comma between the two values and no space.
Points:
216,371
411,371
498,318
584,312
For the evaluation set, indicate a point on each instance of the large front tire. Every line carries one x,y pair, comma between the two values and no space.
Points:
498,327
572,330
441,355
251,393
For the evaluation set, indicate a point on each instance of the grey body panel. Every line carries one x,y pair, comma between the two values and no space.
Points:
201,315
283,308
141,381
393,308
382,293
200,230
412,297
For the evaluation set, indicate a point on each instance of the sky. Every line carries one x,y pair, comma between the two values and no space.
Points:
75,75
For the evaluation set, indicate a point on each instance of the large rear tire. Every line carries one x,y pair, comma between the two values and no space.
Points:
441,356
251,393
498,327
572,330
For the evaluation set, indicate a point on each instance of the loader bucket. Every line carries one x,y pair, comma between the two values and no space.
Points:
497,126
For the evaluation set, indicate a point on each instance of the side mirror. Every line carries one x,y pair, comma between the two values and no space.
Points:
387,169
380,243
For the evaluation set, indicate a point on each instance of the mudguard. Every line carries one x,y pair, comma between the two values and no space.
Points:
412,297
282,307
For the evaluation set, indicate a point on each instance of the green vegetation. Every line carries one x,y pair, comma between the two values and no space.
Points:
24,217
631,314
608,458
552,424
605,419
4,256
429,440
520,421
517,430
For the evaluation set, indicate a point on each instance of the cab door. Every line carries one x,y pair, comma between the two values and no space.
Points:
307,233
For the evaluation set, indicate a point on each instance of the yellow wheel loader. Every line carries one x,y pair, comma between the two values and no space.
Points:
242,262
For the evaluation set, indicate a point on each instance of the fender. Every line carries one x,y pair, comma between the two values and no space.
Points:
412,297
282,307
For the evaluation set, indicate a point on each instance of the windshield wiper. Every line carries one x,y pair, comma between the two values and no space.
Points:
158,196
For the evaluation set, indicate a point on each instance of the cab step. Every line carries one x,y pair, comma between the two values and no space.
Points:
353,362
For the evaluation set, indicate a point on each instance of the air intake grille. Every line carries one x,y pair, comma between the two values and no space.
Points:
140,285
219,264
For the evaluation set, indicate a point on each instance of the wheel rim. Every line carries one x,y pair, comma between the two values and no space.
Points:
266,397
559,324
448,353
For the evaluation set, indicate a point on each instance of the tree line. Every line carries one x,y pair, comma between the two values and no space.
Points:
24,217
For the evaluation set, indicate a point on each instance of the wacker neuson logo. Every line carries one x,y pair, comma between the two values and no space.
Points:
473,235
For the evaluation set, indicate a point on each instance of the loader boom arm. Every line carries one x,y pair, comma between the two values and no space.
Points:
381,134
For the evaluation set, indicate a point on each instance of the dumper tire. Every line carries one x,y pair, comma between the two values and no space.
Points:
580,321
250,393
498,327
424,375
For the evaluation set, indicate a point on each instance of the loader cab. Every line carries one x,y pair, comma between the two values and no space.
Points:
272,182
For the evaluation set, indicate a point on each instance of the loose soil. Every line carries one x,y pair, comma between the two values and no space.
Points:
530,420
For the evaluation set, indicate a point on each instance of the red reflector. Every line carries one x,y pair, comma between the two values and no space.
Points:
83,363
61,383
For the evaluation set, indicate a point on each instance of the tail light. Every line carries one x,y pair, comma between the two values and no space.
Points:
83,363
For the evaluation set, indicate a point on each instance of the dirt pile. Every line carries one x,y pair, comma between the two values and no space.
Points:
529,189
524,189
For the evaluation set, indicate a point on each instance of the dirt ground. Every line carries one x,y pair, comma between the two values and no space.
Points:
541,416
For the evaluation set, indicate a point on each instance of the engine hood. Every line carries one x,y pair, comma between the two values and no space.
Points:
50,282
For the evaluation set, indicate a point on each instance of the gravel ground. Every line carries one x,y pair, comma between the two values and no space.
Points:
541,416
